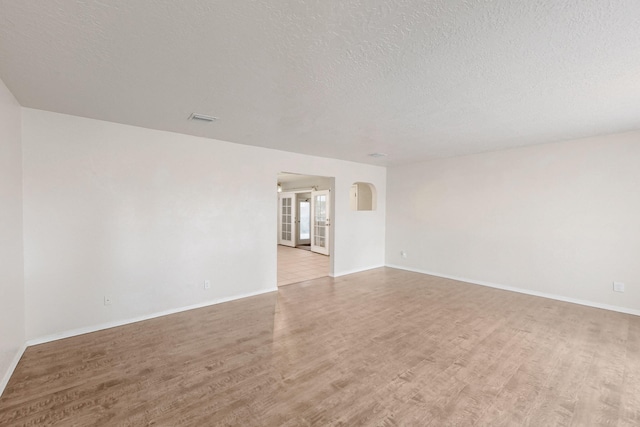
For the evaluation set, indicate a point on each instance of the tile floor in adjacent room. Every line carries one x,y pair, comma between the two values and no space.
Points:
297,265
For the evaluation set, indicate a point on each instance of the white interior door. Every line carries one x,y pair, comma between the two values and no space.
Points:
320,221
287,219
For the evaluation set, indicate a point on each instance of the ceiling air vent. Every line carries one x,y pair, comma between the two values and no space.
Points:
202,117
377,155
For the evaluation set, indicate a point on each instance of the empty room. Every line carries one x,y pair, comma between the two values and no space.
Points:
319,213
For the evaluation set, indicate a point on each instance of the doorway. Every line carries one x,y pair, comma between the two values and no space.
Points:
304,227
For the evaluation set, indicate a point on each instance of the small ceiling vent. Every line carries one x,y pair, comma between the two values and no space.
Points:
377,155
202,117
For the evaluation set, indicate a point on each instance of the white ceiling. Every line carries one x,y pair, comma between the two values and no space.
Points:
336,78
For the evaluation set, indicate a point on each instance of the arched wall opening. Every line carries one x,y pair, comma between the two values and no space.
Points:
363,196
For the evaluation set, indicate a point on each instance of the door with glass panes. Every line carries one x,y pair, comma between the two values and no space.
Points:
320,221
287,219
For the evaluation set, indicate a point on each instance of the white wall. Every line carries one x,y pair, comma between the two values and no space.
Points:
145,216
320,182
12,318
559,219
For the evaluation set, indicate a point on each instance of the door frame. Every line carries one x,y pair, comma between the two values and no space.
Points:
299,199
332,211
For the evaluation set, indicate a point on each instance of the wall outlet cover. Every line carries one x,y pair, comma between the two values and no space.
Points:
618,287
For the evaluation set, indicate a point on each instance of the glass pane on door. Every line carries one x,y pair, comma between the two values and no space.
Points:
320,221
286,218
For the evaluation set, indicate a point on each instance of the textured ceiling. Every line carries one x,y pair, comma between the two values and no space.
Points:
336,78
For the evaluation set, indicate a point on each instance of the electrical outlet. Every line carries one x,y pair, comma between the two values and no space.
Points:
207,284
403,254
107,300
618,287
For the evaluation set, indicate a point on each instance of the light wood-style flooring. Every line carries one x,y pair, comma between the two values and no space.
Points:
296,265
379,348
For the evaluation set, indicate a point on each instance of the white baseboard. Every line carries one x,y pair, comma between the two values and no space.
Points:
12,367
108,325
523,291
358,270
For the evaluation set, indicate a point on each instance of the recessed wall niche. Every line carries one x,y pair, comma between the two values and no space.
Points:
362,197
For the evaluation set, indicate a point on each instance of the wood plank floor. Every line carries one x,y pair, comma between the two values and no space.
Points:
379,348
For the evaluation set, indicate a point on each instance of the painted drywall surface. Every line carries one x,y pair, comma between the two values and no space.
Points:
305,182
560,219
12,319
145,216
